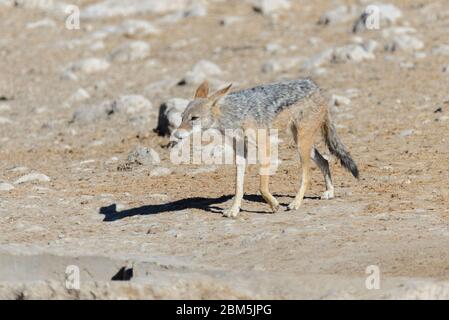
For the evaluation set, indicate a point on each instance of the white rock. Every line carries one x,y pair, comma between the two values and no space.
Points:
112,8
280,64
352,92
136,27
318,71
97,46
151,63
173,113
74,43
143,156
371,45
103,33
100,85
318,60
201,71
4,43
406,133
446,69
4,120
170,115
420,55
174,120
357,40
34,229
230,20
182,43
442,50
19,169
132,104
79,95
131,51
340,101
52,7
406,64
40,110
44,23
270,6
340,14
395,31
171,18
4,107
348,53
177,104
159,87
4,186
207,67
314,41
87,162
351,52
405,42
160,171
89,66
128,28
112,160
273,47
32,177
389,13
7,3
196,10
68,74
97,143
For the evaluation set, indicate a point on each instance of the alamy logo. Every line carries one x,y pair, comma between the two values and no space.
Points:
251,146
372,282
372,17
73,20
72,277
39,4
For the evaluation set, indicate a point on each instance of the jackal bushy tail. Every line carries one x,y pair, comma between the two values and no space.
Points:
337,148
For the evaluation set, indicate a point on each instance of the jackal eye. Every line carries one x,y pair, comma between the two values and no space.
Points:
194,118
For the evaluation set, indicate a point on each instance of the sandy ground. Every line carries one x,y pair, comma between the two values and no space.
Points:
169,229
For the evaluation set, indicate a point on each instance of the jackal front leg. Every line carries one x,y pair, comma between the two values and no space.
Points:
234,210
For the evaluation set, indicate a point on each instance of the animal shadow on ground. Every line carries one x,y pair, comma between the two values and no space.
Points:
207,204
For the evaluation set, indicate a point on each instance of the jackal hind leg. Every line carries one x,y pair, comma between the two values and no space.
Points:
323,164
305,129
305,144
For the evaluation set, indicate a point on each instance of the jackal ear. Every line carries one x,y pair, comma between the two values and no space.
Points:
203,90
219,94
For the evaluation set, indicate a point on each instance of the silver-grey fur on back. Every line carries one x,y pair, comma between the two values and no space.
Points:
263,102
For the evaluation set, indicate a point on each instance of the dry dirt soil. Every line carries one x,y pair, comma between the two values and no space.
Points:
169,230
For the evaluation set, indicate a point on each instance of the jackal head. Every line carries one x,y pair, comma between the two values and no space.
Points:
201,113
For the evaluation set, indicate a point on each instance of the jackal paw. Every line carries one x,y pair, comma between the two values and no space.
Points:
294,205
232,212
327,195
274,206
